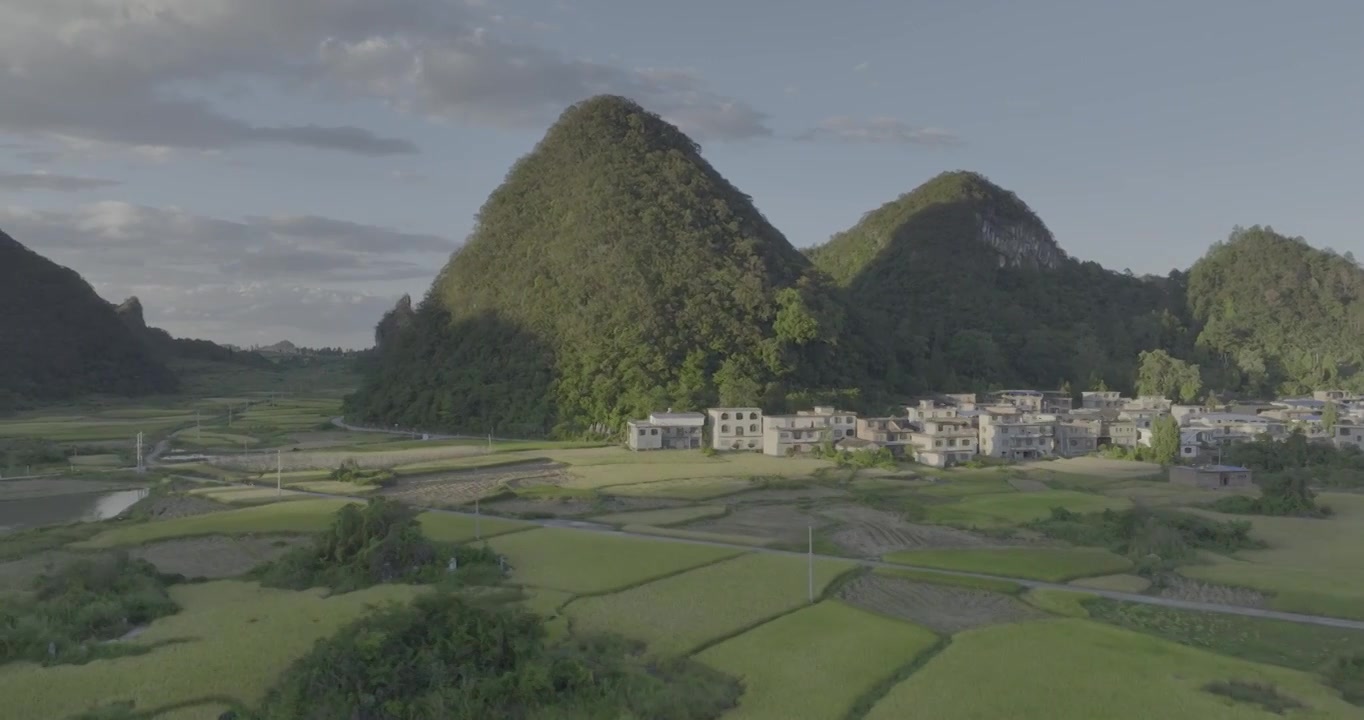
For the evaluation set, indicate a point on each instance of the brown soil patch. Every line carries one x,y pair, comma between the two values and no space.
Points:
782,523
1178,587
216,556
937,607
867,532
1023,484
464,486
165,507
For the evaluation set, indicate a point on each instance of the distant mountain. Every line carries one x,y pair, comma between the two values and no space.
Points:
961,285
172,348
283,347
1276,315
613,273
59,339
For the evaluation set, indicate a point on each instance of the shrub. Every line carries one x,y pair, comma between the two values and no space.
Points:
1346,674
1154,539
381,542
448,657
351,472
1263,694
1284,494
85,602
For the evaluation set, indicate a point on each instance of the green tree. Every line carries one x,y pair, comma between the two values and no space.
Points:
1165,440
1329,417
1169,377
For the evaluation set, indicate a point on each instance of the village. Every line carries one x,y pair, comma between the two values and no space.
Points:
1015,425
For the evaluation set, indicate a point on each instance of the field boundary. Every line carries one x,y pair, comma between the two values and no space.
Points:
642,583
825,595
868,700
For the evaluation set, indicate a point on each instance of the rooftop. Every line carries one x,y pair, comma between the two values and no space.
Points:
1224,468
677,419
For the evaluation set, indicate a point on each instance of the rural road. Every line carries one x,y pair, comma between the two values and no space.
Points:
1110,594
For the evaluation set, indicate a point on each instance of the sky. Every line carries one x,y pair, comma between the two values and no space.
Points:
255,170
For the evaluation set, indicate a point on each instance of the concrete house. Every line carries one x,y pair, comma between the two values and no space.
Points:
1211,477
1020,436
1076,436
789,434
891,433
1122,433
1348,435
1056,401
736,428
930,409
841,423
1102,400
941,442
666,431
1025,400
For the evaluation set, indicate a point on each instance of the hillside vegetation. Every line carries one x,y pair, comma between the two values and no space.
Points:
614,272
59,339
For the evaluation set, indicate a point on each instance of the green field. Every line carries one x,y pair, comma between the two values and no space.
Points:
1059,602
237,639
583,562
1017,508
1311,565
1050,564
831,654
666,516
1079,669
678,614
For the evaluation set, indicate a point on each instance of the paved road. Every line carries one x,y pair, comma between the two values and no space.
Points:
1110,594
341,423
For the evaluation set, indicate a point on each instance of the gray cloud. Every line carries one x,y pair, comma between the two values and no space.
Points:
879,130
134,73
312,279
19,182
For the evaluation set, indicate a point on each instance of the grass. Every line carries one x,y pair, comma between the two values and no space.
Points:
610,467
702,488
587,562
1311,566
301,516
1121,583
444,527
1016,508
666,516
1059,602
545,602
1049,564
240,638
964,581
1070,668
1293,645
685,534
681,613
830,655
1263,694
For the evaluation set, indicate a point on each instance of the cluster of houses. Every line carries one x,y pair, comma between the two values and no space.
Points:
945,430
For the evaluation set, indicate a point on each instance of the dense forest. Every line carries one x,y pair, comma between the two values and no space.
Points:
59,339
615,272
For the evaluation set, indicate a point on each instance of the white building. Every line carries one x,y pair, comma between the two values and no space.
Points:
736,428
944,441
1024,436
1102,399
666,431
805,430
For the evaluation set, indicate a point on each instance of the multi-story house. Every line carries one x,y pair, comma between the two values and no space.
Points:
791,434
1184,414
1102,399
929,409
1122,433
1148,402
1029,401
887,432
1056,401
1250,425
736,428
944,441
1332,395
842,424
1143,418
1076,436
1019,436
1348,435
666,431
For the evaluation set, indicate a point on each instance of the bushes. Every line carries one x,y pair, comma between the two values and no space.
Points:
1263,694
381,542
87,601
1346,674
1282,493
446,657
1155,539
350,472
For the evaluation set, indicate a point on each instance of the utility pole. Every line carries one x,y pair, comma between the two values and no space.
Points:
478,524
490,442
812,563
198,429
229,415
139,452
279,467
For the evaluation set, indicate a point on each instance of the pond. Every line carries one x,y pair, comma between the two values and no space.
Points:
31,512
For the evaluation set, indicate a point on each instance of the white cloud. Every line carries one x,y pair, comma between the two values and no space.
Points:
862,67
880,130
159,73
20,182
312,279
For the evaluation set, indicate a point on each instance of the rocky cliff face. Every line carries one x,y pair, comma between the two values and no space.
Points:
1019,242
130,312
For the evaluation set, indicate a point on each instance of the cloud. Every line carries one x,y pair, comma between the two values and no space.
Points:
312,279
178,73
862,67
19,182
879,130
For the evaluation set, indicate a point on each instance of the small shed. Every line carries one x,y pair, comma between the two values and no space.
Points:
1211,477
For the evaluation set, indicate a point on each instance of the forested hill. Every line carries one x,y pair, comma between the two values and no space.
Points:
964,287
1278,315
59,339
166,347
614,272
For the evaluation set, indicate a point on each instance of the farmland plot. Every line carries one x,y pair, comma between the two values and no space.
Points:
677,614
779,523
830,655
867,532
588,562
465,486
940,608
331,459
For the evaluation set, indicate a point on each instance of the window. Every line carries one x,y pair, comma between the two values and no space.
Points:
724,416
641,432
753,427
724,428
653,431
753,416
937,443
751,445
738,429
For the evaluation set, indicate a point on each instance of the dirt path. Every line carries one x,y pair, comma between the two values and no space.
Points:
937,607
